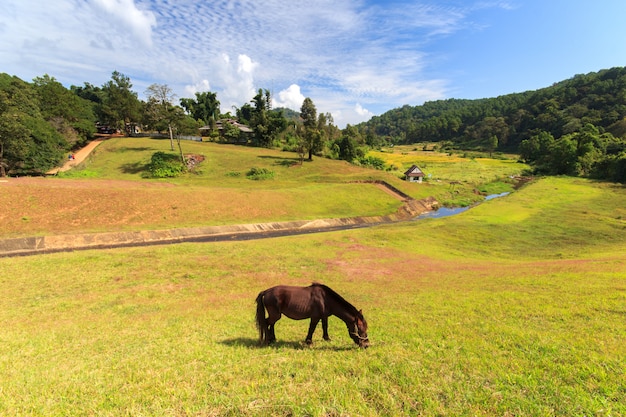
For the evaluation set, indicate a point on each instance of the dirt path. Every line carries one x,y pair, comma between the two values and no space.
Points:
79,157
386,188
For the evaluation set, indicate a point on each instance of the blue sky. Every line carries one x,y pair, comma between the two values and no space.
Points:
354,59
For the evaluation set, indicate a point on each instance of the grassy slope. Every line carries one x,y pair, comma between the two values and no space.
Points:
441,169
515,307
108,192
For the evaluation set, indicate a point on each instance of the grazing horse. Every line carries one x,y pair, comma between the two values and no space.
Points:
316,302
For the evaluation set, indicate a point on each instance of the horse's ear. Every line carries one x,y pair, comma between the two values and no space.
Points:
361,312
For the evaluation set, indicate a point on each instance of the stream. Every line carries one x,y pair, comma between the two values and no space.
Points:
451,211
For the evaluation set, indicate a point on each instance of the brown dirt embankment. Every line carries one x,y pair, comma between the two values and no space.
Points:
69,242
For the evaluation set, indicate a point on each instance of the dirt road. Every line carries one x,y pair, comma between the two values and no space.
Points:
79,157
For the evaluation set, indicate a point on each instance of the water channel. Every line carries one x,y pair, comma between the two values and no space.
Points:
451,211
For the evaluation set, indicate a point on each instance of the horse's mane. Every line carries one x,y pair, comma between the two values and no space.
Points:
338,298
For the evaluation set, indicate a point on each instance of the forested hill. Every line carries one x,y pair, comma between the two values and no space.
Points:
566,107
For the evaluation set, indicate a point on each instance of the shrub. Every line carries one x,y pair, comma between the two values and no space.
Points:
165,165
259,174
373,162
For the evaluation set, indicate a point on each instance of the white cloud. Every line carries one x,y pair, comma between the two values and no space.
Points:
139,22
236,81
199,87
245,65
362,112
290,98
337,53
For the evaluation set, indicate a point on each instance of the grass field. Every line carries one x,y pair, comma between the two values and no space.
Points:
466,173
108,191
513,308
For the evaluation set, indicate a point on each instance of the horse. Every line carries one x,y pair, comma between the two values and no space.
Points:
316,302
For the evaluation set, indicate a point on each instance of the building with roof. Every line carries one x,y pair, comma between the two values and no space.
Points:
245,132
414,174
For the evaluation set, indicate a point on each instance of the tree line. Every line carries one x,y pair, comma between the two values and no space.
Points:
574,127
40,122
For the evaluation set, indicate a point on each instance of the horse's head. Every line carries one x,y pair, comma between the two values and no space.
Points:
358,332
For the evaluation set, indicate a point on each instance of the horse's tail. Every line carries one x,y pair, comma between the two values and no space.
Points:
261,322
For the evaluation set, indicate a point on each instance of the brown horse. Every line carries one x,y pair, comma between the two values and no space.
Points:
316,302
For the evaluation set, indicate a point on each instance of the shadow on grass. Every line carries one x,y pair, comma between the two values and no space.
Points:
124,149
297,345
287,162
133,168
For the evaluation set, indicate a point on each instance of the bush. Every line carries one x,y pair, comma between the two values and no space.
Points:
372,162
165,165
259,174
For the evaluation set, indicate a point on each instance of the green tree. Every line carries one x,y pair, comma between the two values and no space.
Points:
329,132
231,133
120,105
245,113
348,144
71,115
311,135
205,107
265,122
492,144
28,143
163,112
88,92
536,148
562,158
259,120
348,148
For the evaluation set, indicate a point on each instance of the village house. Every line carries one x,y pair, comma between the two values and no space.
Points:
414,174
245,132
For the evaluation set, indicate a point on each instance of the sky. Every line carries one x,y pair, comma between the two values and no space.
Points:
353,58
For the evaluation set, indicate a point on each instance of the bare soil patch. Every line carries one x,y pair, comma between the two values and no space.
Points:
46,205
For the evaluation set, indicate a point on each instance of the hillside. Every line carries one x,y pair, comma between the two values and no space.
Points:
597,98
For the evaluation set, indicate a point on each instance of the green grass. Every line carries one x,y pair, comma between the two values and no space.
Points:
551,218
111,194
127,159
451,178
515,307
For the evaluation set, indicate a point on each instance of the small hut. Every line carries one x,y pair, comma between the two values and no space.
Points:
414,174
245,132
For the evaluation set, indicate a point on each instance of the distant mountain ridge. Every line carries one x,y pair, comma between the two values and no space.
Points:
597,98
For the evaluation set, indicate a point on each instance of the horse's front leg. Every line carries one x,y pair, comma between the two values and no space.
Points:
312,326
325,328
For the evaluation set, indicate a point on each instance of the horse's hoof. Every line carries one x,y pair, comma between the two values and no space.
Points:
308,342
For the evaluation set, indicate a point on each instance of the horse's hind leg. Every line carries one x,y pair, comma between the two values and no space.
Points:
325,328
274,316
271,335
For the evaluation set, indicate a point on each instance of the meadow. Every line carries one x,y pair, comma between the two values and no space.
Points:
109,191
514,308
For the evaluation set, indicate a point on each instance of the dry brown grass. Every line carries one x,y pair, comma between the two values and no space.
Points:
34,206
